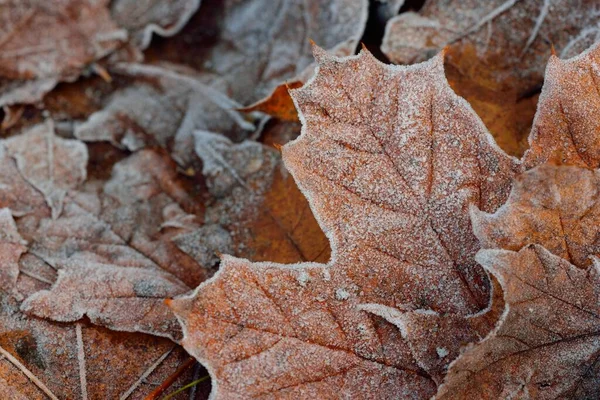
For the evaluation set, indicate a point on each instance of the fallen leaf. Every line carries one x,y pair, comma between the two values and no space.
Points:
66,361
278,104
553,206
257,207
265,329
50,164
33,63
546,345
246,48
565,129
144,18
116,264
497,51
162,107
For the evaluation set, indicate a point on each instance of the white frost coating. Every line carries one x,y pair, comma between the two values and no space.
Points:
134,15
303,278
441,352
81,359
342,294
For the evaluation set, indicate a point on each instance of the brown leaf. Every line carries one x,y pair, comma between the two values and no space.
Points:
29,36
547,344
116,262
50,164
566,128
390,171
246,48
278,104
66,360
257,206
497,51
162,106
553,206
147,17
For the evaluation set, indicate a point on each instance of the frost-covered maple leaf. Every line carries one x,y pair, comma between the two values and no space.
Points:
390,160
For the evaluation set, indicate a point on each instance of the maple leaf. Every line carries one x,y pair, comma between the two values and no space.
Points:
547,343
390,176
497,51
553,206
162,106
33,63
144,18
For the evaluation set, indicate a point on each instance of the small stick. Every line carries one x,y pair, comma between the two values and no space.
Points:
28,373
171,379
146,373
81,358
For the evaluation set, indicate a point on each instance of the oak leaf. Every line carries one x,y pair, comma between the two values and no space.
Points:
390,160
547,344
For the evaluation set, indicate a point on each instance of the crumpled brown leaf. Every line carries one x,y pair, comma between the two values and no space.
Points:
547,344
497,52
162,106
246,48
51,351
553,206
390,159
115,260
32,62
147,17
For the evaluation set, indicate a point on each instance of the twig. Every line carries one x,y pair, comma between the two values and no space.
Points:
28,373
81,358
146,373
189,385
171,379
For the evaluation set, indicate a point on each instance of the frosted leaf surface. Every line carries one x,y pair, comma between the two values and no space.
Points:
29,34
116,263
147,17
254,45
511,37
261,212
51,165
496,52
390,160
566,129
553,206
162,106
12,246
547,343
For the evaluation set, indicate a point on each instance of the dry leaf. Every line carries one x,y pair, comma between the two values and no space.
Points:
147,17
162,107
553,206
278,104
65,360
390,160
497,51
566,128
247,48
115,260
33,62
547,344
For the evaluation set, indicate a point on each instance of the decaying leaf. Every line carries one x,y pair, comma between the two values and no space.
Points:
246,48
41,359
162,107
115,261
497,52
547,344
390,160
553,206
147,17
50,164
256,205
279,103
33,62
566,128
